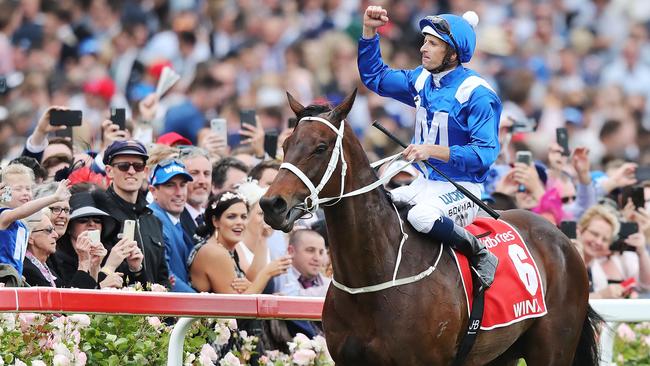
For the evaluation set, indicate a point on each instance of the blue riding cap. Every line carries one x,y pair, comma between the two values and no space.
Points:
461,29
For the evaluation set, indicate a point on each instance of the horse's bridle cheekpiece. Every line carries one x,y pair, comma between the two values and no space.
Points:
312,202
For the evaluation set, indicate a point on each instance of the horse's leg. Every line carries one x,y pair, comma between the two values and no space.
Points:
509,358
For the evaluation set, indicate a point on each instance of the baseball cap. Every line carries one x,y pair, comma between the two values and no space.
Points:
173,138
128,147
166,170
104,88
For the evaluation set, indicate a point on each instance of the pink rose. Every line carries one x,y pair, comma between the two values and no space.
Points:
626,333
208,355
229,360
303,357
158,288
81,320
60,360
80,358
154,321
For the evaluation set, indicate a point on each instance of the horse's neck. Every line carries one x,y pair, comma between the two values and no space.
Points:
363,232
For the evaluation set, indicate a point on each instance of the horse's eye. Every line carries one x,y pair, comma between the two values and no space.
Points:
320,149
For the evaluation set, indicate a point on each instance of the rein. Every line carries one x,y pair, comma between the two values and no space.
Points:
312,203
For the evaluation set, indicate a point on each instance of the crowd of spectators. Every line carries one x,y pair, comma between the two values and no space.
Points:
581,65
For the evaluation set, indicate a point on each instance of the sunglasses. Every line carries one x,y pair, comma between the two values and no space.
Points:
191,150
86,220
442,26
48,230
58,210
568,199
126,165
165,163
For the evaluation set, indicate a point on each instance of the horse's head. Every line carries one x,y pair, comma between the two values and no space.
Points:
311,165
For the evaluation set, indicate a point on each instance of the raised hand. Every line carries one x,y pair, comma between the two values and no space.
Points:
119,253
255,136
278,266
113,133
580,161
134,260
148,107
373,18
62,192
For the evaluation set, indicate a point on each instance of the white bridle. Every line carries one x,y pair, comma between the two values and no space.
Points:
312,202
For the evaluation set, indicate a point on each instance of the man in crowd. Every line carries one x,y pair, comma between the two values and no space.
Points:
169,187
227,173
304,278
197,164
125,166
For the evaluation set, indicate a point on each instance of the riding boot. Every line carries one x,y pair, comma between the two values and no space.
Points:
485,263
479,256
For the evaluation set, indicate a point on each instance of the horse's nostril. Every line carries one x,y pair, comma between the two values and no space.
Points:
275,205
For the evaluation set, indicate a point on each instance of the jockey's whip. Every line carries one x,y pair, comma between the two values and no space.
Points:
466,192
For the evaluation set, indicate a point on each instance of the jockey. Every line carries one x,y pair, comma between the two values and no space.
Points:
456,127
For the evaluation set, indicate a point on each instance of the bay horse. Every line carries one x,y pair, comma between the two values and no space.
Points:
423,322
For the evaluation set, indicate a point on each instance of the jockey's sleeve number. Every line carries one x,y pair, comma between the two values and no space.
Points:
526,271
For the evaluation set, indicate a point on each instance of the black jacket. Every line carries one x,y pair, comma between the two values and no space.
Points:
66,273
148,234
188,224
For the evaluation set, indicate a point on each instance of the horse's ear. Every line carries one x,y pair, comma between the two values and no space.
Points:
341,111
296,107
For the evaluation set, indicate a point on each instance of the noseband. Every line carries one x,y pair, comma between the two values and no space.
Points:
312,201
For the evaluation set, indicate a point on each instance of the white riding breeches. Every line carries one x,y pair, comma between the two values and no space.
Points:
434,199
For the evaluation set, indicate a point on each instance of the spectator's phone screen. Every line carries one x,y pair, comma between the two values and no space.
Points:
129,229
93,235
271,143
65,117
525,157
627,229
562,137
247,116
220,127
118,116
6,194
634,193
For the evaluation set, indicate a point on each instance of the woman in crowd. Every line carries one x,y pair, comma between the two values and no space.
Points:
214,263
73,258
597,229
42,244
253,250
59,211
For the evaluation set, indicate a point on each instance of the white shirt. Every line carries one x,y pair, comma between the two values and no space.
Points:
288,285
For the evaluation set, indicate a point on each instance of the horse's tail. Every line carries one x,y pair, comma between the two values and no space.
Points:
587,353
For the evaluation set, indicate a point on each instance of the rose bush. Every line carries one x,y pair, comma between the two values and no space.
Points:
106,340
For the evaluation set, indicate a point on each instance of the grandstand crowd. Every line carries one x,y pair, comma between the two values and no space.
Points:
193,191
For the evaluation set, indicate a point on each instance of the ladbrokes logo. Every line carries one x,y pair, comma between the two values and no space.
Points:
499,238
